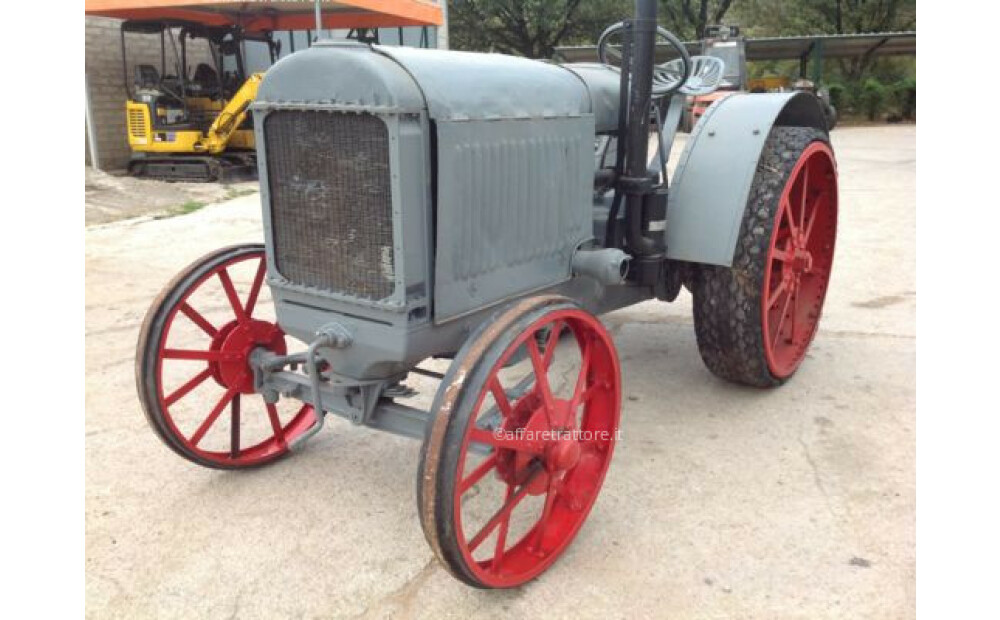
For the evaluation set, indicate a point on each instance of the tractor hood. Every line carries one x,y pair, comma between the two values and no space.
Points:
448,85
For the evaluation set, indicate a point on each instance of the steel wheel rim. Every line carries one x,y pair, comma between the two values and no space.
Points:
565,511
800,259
220,371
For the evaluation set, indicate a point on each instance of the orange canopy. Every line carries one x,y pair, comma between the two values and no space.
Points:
276,14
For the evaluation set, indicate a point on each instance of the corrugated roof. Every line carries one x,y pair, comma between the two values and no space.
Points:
784,48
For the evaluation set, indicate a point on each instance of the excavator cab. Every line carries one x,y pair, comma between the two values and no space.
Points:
188,95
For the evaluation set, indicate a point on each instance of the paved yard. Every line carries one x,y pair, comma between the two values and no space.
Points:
721,502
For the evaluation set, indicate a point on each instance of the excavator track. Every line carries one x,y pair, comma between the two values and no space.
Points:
230,167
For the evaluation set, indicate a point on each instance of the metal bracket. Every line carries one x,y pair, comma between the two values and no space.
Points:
668,133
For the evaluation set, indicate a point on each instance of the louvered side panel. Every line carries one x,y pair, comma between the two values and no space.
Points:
513,204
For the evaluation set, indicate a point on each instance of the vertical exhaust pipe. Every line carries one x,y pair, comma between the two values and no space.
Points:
636,181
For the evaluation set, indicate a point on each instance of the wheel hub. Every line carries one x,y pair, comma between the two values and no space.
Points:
235,341
801,261
561,453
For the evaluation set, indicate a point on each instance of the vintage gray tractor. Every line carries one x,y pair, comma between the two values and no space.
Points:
422,206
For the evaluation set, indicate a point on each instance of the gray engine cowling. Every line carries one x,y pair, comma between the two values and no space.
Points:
407,186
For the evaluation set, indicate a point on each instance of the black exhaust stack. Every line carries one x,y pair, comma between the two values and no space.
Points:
645,201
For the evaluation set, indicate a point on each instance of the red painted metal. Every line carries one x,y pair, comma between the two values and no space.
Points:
800,259
227,363
557,460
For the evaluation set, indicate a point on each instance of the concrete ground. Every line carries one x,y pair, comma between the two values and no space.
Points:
114,197
721,502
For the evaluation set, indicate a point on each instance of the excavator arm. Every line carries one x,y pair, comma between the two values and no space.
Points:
231,116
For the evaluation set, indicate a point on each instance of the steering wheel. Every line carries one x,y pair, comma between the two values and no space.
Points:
664,82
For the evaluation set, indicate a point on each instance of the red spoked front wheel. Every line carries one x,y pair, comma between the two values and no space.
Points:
192,364
525,426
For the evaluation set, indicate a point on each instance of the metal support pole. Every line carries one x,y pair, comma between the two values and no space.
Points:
817,69
319,19
95,161
442,30
804,60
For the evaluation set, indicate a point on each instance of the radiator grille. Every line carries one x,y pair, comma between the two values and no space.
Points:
137,123
331,208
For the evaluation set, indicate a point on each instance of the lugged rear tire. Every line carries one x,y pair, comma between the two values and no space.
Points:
755,320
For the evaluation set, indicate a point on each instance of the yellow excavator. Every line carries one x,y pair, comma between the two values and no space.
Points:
192,126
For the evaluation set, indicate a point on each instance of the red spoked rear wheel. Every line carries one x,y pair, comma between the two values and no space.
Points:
525,427
800,258
192,364
756,319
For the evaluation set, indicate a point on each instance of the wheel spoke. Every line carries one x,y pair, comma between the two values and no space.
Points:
477,474
541,378
507,441
776,293
550,344
234,428
258,280
503,513
794,311
581,379
786,214
502,534
500,397
272,415
805,192
183,390
589,392
186,354
550,500
198,320
781,255
781,322
234,300
213,415
813,218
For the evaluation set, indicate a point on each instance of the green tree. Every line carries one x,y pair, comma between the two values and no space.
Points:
872,98
804,17
531,28
688,18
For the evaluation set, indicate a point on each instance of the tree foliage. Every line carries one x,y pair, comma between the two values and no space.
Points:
799,17
688,18
532,28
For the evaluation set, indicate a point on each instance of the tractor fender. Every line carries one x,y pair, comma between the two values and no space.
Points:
712,181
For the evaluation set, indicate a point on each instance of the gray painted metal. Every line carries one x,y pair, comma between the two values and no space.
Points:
514,147
345,75
349,77
547,150
513,205
668,134
603,83
348,402
472,86
711,185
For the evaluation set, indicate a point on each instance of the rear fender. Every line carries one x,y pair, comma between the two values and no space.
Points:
711,185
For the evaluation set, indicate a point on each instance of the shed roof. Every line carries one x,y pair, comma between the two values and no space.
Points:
781,48
276,14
